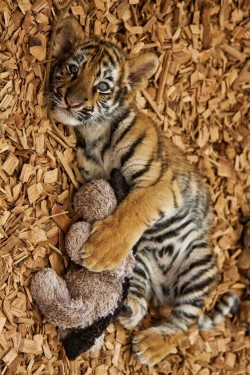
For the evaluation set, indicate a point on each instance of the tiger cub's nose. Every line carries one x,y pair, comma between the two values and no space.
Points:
72,104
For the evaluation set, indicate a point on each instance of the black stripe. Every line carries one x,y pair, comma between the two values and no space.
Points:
165,290
140,272
166,223
118,119
172,233
116,51
142,171
126,130
192,280
143,265
184,225
119,91
160,148
101,104
199,286
135,247
88,155
114,125
165,269
176,291
185,183
174,258
137,293
191,247
98,75
105,64
80,143
90,46
159,176
122,97
198,263
105,147
223,302
167,250
218,309
119,96
109,78
174,198
197,202
182,238
111,58
200,245
165,236
80,140
131,150
182,313
206,205
197,302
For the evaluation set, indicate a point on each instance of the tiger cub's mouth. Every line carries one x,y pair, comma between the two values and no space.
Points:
65,116
75,117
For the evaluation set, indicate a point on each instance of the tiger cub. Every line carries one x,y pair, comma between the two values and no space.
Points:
166,215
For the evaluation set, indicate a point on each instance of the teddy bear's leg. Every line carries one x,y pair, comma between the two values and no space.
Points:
52,296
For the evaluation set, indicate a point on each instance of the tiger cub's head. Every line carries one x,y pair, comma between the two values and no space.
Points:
90,79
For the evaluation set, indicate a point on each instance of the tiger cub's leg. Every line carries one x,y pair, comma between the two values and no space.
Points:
134,309
136,304
153,344
191,285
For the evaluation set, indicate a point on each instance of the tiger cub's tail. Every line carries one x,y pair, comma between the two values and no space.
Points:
228,303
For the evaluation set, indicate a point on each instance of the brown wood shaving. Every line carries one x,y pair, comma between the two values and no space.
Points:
199,94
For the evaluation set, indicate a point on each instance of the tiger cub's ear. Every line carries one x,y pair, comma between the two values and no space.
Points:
141,68
68,36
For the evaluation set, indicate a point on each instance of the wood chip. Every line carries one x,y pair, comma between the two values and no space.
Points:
10,164
67,168
50,177
199,95
30,346
60,217
34,192
38,48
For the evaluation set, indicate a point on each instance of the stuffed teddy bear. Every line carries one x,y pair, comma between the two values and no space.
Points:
82,303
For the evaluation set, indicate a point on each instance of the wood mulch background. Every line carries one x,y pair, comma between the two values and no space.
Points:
200,95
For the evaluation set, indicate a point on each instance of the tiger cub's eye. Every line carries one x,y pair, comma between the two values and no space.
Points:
103,87
72,69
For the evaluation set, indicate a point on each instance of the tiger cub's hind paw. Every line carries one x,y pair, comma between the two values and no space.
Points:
150,347
133,311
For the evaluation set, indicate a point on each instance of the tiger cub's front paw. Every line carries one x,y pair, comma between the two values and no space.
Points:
107,246
133,311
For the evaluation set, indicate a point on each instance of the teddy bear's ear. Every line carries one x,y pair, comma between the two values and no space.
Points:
69,35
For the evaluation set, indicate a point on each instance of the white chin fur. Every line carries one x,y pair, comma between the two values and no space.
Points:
63,116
